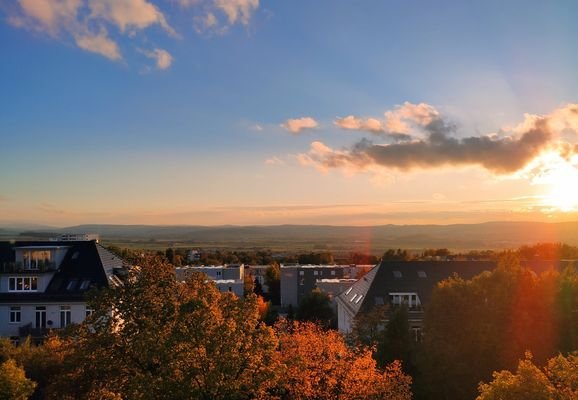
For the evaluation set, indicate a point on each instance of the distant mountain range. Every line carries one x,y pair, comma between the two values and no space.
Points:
490,235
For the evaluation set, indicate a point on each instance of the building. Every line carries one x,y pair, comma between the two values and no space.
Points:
43,284
76,237
411,283
298,280
228,278
257,273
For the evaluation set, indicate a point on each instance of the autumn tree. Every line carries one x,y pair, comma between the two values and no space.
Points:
558,380
317,364
156,338
14,385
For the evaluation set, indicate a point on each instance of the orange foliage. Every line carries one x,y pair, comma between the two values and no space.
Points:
318,364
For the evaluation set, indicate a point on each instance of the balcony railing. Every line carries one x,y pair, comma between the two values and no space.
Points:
18,267
28,330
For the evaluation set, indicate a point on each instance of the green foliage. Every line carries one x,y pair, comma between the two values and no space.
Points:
13,382
493,319
273,282
316,258
396,255
316,307
395,342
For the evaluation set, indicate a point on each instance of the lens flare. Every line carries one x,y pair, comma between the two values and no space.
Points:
559,177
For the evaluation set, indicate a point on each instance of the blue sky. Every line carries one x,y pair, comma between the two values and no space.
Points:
176,111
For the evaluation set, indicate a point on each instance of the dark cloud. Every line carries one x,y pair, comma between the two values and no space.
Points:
440,147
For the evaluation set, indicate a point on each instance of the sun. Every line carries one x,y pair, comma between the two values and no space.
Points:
560,181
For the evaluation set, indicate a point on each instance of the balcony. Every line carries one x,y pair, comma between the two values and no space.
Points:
18,267
28,330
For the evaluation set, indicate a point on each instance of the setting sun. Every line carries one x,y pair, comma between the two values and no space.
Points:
559,179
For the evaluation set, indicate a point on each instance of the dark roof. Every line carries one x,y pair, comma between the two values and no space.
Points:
419,277
86,265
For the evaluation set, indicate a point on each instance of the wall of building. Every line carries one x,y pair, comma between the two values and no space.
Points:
28,316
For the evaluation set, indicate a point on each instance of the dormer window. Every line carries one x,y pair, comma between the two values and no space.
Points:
34,259
410,300
22,284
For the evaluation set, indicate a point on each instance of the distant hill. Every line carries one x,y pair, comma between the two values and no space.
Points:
490,235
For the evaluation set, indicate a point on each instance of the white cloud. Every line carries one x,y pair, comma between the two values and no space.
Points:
296,125
232,11
237,10
130,14
47,15
162,57
99,44
359,124
274,161
399,119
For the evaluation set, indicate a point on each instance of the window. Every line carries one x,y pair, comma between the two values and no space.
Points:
84,285
22,284
416,334
421,274
397,274
301,273
219,273
315,273
15,315
359,299
40,321
71,285
411,300
65,316
33,259
348,291
88,312
353,298
332,273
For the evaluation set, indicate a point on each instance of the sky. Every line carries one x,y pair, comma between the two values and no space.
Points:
256,112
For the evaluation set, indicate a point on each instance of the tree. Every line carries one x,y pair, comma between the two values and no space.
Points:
316,307
492,319
156,338
273,282
559,380
395,342
317,364
368,326
13,382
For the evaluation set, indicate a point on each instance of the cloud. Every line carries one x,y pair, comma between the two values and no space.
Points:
237,10
231,11
129,14
353,123
270,161
297,125
506,153
401,118
85,22
371,125
162,57
48,15
94,24
99,44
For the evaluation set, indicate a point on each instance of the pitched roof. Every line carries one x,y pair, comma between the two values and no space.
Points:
85,265
420,277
